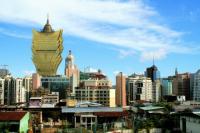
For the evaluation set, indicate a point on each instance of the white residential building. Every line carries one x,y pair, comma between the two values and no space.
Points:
19,92
28,85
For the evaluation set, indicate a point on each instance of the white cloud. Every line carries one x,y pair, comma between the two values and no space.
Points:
90,69
116,72
130,24
28,72
158,54
14,34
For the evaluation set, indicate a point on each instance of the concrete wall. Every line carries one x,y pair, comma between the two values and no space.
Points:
192,124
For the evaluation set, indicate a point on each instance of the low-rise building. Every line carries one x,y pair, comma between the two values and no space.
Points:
190,123
14,122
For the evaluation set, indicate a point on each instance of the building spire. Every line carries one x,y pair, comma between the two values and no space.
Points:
176,71
47,27
47,18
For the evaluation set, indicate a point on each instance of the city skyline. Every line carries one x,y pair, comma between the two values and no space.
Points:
109,35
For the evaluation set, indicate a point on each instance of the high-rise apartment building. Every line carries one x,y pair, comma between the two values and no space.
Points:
47,48
19,92
9,86
121,90
28,85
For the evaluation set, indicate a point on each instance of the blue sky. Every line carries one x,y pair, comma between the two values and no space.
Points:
113,35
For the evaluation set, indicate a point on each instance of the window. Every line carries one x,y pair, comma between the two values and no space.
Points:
137,97
139,90
93,119
84,119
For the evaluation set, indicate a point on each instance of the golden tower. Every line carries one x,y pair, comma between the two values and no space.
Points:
47,48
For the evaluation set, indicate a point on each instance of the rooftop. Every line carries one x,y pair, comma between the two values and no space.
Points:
11,116
91,109
148,108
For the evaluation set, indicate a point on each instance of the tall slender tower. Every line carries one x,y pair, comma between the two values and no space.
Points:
47,48
71,72
121,90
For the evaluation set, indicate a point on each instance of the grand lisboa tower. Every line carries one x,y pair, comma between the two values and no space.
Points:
46,50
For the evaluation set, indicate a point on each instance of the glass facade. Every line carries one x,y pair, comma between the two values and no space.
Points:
56,84
166,87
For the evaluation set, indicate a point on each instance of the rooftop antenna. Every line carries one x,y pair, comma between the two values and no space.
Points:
153,59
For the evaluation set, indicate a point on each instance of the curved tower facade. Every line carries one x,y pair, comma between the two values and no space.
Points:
47,48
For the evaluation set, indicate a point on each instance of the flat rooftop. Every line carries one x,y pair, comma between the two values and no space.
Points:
91,109
148,108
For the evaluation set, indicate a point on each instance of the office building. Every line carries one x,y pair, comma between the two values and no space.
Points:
153,73
121,90
166,86
181,85
56,84
47,48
